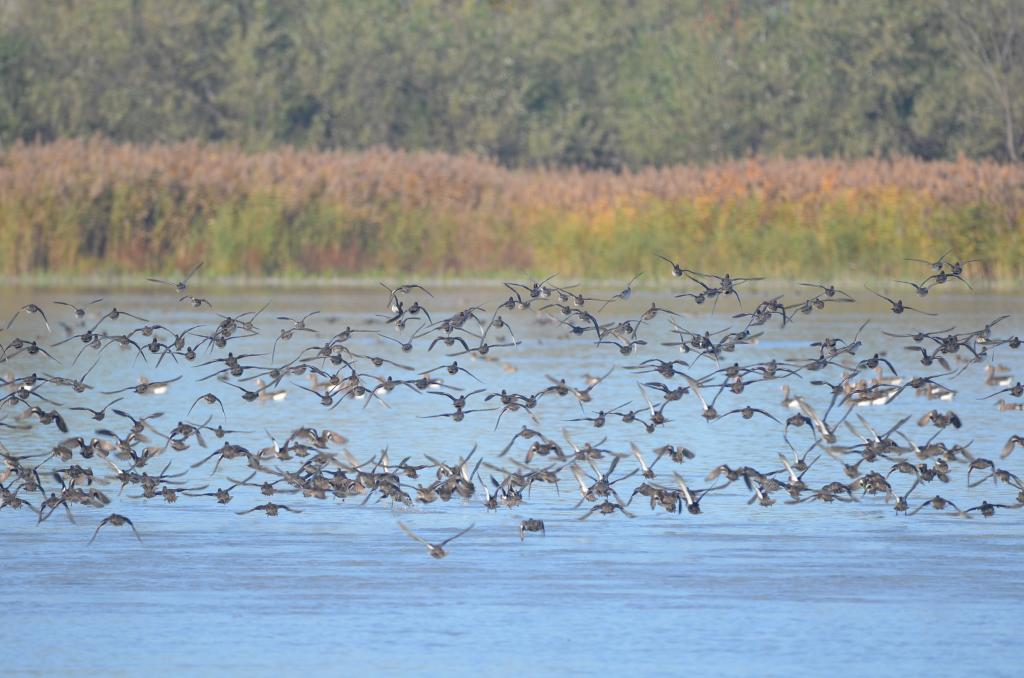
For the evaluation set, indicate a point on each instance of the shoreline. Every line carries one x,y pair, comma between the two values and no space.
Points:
646,283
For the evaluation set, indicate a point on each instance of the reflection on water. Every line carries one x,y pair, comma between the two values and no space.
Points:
804,589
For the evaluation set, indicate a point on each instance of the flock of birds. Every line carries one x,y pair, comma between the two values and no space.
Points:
48,377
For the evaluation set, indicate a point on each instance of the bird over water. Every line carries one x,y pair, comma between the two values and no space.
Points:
65,363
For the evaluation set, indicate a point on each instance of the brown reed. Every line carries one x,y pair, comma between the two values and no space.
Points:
84,206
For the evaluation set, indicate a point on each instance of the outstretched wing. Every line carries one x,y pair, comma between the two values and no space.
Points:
412,534
456,536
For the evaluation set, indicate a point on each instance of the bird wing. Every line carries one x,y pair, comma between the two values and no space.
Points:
457,535
685,490
695,387
412,534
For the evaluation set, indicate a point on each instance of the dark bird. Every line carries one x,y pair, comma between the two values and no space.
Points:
30,309
897,305
181,285
531,525
435,550
117,520
78,311
270,508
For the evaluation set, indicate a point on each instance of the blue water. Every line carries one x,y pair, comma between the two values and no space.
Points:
808,589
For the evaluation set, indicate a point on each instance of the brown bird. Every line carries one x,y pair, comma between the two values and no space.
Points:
117,520
897,304
1011,443
270,508
181,285
435,550
531,525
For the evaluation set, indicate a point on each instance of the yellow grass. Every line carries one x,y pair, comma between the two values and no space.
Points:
84,206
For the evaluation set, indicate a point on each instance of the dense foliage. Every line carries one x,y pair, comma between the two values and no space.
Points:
603,83
80,207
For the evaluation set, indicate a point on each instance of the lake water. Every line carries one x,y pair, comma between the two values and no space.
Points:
792,589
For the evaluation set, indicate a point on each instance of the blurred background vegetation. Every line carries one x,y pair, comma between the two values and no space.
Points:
529,85
604,84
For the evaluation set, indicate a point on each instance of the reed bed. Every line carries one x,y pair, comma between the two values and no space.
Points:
82,207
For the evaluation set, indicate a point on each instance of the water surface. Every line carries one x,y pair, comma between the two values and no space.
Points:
800,589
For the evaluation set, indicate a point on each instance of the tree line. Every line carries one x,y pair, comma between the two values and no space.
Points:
608,84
